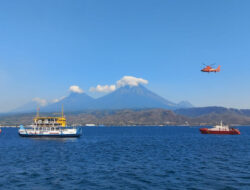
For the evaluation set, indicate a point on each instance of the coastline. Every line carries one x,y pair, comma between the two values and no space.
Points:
107,126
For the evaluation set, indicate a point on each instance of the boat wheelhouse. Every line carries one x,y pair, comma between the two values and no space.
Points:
49,127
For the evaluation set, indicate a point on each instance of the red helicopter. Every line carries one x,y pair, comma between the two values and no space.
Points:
209,69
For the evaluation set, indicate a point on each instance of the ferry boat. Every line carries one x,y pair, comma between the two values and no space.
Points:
221,130
49,127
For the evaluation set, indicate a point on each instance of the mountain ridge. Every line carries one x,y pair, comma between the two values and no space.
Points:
126,97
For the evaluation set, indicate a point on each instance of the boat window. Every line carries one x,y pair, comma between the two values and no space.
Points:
52,128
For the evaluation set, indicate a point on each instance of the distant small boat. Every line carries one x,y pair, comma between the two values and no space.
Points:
220,130
90,125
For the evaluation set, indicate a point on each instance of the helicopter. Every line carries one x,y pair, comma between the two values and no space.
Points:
209,69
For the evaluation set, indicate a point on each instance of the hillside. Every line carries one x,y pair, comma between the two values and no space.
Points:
128,117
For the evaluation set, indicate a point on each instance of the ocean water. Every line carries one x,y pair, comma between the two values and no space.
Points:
126,158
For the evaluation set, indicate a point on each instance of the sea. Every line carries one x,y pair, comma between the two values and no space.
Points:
126,158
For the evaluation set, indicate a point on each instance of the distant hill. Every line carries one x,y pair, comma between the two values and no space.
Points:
72,103
126,97
213,114
200,111
107,118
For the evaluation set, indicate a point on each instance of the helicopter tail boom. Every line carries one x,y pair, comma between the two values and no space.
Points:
218,69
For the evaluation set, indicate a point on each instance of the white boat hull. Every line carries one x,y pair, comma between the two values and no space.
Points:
61,132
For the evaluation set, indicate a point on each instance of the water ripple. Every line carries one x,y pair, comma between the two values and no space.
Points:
126,158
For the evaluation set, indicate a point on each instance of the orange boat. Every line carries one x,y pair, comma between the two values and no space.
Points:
220,130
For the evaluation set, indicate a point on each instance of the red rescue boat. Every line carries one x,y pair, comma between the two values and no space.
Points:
220,130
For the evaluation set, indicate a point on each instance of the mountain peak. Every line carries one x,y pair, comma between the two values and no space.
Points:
185,104
132,97
131,89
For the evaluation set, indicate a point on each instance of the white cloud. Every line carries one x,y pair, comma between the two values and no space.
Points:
130,81
105,88
76,89
124,81
58,99
40,101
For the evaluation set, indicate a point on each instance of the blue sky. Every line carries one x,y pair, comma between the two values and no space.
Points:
47,46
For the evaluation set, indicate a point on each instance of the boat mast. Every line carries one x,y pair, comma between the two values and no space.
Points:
62,110
37,111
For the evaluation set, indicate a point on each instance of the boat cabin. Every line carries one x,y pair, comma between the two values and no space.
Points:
50,122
